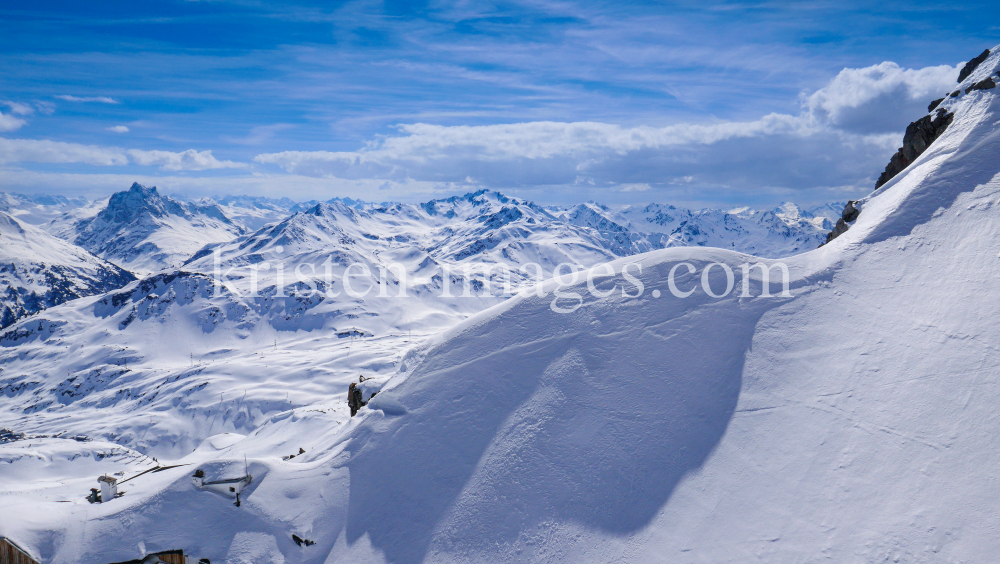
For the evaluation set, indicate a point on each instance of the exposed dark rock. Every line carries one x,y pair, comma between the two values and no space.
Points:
982,85
919,135
9,436
971,65
838,230
850,212
354,398
301,541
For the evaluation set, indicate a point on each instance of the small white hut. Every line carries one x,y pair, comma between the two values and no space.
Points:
229,487
109,488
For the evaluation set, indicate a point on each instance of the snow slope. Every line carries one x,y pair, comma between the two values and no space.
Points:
39,271
853,421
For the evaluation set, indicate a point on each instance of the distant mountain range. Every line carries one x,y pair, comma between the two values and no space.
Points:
139,231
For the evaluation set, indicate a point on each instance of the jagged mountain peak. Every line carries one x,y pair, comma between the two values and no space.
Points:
788,208
145,231
478,202
130,205
138,201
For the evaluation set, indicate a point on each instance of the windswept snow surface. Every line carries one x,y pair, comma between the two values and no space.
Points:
852,421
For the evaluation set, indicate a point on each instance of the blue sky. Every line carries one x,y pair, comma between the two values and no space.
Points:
693,103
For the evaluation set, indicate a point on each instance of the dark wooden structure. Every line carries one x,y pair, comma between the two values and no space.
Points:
10,553
168,556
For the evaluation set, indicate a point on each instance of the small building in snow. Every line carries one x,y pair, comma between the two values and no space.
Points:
165,557
230,487
10,553
109,488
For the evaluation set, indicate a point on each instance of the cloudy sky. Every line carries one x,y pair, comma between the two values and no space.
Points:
692,103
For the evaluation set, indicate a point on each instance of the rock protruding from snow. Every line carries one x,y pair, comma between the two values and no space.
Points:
919,135
39,271
986,84
970,67
146,232
850,212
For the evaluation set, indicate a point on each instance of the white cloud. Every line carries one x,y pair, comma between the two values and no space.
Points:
843,137
778,152
259,134
539,140
10,123
44,151
880,98
833,148
423,143
118,129
184,160
100,184
47,108
18,108
99,99
642,187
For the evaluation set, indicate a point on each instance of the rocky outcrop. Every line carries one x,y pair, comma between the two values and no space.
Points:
850,213
982,85
971,65
919,135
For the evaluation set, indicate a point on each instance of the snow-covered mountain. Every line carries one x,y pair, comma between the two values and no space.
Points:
783,231
451,258
253,212
851,419
145,232
38,271
40,208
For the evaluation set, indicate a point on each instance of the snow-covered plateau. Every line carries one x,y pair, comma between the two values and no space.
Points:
684,409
